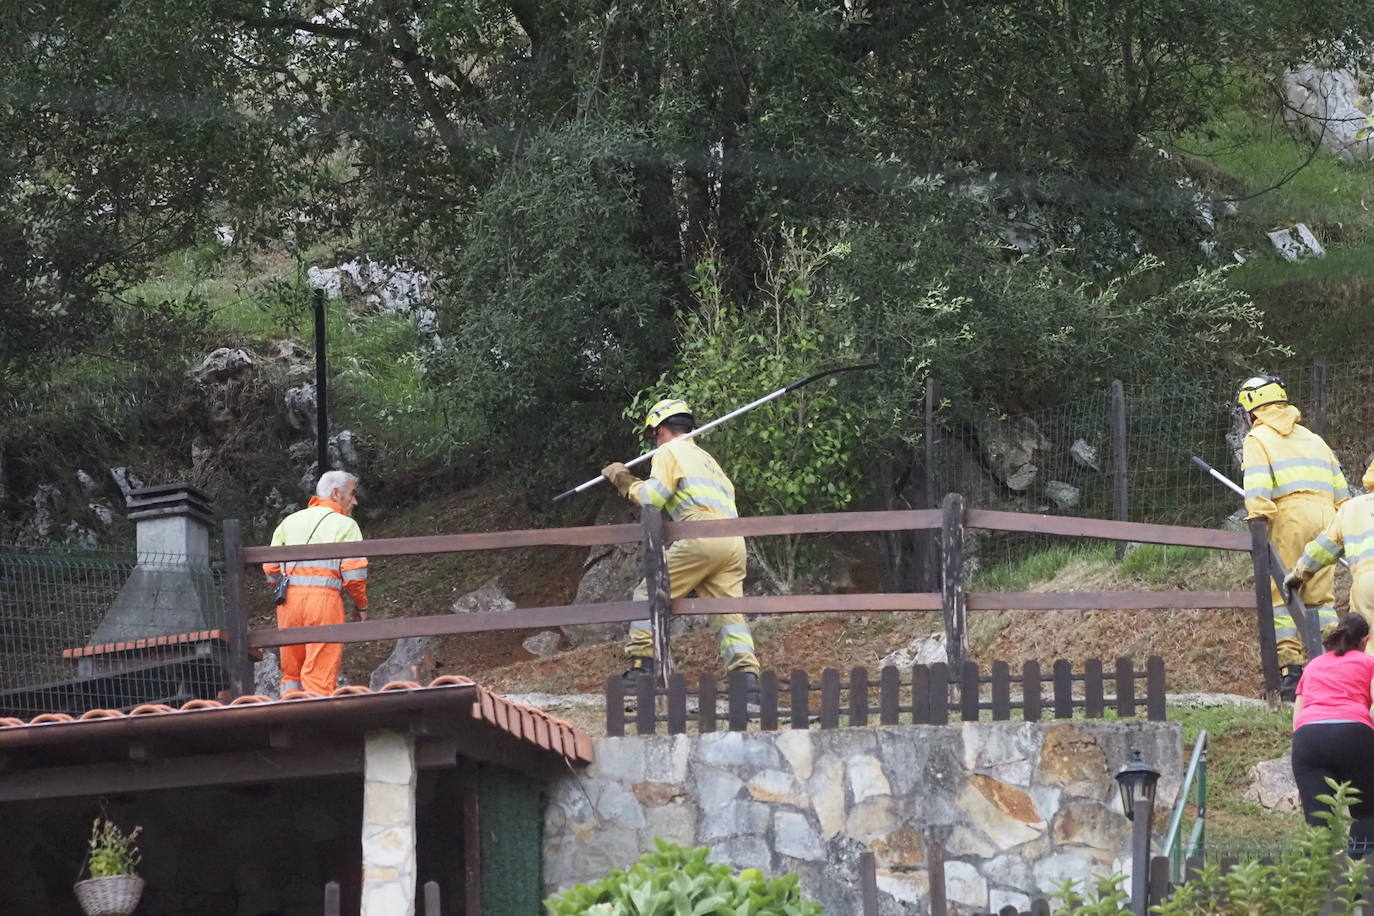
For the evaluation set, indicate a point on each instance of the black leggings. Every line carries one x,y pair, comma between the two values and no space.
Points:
1345,752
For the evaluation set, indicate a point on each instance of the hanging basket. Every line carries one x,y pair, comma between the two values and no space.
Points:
116,895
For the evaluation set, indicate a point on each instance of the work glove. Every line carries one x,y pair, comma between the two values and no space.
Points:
619,476
1292,582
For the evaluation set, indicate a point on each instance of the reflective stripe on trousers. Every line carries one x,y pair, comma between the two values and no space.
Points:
713,568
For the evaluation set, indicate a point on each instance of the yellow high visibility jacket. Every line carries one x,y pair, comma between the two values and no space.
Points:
1281,458
321,523
687,483
1351,533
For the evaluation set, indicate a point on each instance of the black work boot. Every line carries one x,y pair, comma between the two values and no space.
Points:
1288,682
751,687
638,667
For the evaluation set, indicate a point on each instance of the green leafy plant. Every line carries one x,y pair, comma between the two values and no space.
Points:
798,453
1312,871
111,851
673,881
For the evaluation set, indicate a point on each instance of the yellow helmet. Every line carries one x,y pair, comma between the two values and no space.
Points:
668,407
1260,390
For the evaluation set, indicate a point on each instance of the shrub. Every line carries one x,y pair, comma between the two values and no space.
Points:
674,881
1312,872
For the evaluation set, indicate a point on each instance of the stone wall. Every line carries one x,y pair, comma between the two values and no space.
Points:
1021,806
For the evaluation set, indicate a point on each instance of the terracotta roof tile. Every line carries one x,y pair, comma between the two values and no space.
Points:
525,723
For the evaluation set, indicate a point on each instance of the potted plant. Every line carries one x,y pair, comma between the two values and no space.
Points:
113,888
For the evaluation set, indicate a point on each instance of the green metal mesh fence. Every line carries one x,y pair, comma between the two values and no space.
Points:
90,629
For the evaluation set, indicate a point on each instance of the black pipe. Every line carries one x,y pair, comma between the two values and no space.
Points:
321,392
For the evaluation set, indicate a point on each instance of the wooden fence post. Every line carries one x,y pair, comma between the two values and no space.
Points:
660,592
952,581
1264,604
236,610
1120,460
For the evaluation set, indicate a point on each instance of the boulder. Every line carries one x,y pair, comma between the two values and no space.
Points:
411,660
542,644
343,451
267,676
1084,455
89,485
82,537
923,650
1009,447
45,509
221,365
487,598
609,573
1062,494
1327,108
299,403
103,513
126,480
1272,786
384,287
1296,243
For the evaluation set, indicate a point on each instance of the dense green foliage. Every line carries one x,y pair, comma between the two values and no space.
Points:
673,881
565,171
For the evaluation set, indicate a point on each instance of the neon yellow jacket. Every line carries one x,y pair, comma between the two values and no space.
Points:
1351,533
1281,457
321,523
687,483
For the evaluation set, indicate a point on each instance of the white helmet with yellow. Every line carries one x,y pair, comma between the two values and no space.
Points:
1260,390
664,410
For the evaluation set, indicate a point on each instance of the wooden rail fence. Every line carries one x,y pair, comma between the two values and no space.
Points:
921,695
654,533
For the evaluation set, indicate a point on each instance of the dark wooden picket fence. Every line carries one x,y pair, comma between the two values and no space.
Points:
921,695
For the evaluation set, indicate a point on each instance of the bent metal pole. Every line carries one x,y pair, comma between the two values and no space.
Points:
719,420
1239,492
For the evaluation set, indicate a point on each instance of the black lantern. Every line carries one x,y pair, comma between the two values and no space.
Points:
1136,781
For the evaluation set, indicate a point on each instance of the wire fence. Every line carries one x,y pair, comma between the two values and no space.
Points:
99,629
1064,460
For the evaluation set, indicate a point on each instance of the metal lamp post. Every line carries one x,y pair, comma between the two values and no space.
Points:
1137,783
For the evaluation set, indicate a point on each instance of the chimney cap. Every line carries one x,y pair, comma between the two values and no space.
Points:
169,499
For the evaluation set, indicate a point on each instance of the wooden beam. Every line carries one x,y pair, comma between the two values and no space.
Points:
653,549
809,604
953,600
449,624
1174,535
586,536
1107,601
818,523
181,772
598,535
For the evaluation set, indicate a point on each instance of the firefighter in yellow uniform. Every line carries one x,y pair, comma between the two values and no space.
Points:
1350,534
687,483
1294,482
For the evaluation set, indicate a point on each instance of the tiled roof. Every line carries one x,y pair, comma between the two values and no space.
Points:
525,723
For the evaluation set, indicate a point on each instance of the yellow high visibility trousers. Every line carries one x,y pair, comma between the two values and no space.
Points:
1300,518
713,568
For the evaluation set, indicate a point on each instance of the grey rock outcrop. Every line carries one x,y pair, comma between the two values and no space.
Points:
222,364
487,598
609,573
1328,109
1009,447
1272,786
411,660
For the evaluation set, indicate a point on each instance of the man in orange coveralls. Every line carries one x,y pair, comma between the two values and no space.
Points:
314,588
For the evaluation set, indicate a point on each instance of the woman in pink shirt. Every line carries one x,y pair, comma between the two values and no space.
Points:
1333,734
